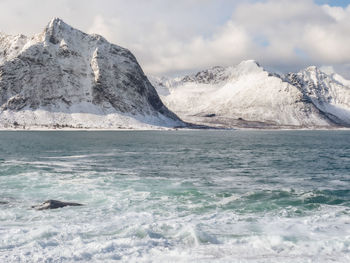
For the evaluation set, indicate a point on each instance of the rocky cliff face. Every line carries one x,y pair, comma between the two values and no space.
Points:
248,96
64,77
330,94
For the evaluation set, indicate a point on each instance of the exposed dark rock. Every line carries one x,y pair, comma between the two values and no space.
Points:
317,92
210,76
65,68
248,96
54,204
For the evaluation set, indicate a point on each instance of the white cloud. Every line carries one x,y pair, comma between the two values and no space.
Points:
102,27
176,36
337,13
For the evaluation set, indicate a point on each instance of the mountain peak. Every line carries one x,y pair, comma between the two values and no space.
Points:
313,69
56,20
64,71
250,62
56,23
57,30
249,66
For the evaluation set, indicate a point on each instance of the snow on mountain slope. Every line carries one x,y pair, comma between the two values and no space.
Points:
249,96
11,46
329,93
66,78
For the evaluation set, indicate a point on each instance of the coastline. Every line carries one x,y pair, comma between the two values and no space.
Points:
177,129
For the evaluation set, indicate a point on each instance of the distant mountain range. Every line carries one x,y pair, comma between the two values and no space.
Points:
64,78
249,96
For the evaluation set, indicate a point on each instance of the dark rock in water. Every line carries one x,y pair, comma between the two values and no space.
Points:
54,204
3,203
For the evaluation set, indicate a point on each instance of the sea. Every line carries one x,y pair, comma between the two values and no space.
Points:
176,196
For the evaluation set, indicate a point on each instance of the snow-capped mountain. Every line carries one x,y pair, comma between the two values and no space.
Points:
66,78
248,96
330,94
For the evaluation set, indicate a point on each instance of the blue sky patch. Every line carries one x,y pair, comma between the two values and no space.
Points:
262,41
342,3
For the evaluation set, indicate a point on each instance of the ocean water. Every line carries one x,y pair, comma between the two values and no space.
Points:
176,196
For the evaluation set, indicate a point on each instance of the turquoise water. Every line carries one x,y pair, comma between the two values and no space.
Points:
179,196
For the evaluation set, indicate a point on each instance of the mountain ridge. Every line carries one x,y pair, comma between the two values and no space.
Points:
63,77
249,96
63,73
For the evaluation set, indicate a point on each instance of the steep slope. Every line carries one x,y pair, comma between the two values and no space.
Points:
249,96
329,93
64,77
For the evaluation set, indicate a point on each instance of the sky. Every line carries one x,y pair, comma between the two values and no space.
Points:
171,37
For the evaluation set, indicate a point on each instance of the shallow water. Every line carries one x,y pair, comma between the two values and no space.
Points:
179,196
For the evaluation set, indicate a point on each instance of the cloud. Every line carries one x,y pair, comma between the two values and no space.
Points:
295,28
102,27
169,37
281,34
